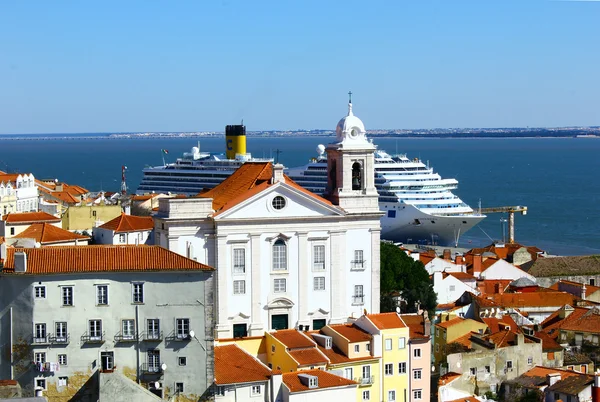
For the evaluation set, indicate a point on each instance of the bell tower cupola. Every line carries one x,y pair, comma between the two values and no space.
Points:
350,164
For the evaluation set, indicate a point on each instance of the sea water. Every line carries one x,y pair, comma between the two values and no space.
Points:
557,179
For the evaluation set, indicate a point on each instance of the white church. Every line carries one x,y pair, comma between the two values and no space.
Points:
285,257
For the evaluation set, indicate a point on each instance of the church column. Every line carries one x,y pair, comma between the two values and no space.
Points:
375,270
303,279
337,288
257,327
222,329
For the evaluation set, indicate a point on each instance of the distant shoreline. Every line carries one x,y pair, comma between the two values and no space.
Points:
524,134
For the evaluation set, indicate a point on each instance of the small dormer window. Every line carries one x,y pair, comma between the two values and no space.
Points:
313,382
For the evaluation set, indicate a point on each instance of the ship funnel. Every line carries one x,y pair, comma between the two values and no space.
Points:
235,140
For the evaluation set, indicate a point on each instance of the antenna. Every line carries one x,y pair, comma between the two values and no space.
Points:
277,152
123,182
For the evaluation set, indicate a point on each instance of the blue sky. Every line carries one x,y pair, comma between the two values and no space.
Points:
79,66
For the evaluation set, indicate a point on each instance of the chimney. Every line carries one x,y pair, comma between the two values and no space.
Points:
477,265
447,254
552,378
459,260
278,173
20,262
426,324
520,338
583,291
596,387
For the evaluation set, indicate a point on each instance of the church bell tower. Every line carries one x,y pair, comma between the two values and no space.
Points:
350,167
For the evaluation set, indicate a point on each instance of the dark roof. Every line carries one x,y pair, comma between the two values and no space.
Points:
566,266
576,358
572,385
522,282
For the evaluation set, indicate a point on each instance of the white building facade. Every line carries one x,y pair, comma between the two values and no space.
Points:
21,188
285,257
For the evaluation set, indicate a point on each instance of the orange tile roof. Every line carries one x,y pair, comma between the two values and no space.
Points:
386,320
488,286
533,299
448,378
415,323
325,379
64,196
77,259
499,324
336,356
308,357
540,371
466,399
45,233
461,276
505,338
249,179
450,323
143,197
129,223
581,319
352,332
465,340
548,343
293,338
233,366
75,190
29,217
589,288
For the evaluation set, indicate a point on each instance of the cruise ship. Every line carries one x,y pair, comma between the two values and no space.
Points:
419,205
197,171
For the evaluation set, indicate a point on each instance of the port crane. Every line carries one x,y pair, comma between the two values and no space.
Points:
511,217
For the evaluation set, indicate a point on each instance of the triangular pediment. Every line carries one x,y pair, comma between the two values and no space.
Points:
281,302
281,201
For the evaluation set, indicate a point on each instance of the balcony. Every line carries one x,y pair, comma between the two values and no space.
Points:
40,340
60,339
358,300
95,337
365,380
120,337
177,337
151,369
319,266
357,265
152,336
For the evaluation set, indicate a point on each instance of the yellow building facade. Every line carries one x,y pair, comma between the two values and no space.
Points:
85,217
448,332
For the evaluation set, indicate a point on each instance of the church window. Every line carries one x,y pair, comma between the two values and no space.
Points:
356,176
279,286
279,256
319,257
239,260
278,202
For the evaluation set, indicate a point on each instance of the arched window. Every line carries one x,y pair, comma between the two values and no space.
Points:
279,256
356,176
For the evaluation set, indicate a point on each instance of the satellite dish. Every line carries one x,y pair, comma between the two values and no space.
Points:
163,367
156,385
192,333
321,149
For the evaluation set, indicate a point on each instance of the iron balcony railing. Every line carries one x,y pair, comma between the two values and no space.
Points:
151,368
60,339
365,380
152,336
357,265
120,337
96,337
358,299
40,340
174,336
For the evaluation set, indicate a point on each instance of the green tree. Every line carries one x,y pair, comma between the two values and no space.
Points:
405,277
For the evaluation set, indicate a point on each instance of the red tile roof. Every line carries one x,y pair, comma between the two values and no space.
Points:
461,276
293,339
589,288
450,323
46,233
336,356
548,343
325,379
233,366
466,399
308,357
129,223
540,371
489,286
352,332
78,259
448,378
386,320
581,320
249,179
143,197
505,338
533,299
29,217
65,196
500,324
415,324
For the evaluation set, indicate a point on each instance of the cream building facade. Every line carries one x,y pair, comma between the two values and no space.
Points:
285,257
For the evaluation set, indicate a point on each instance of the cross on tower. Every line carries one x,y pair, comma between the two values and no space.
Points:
350,97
